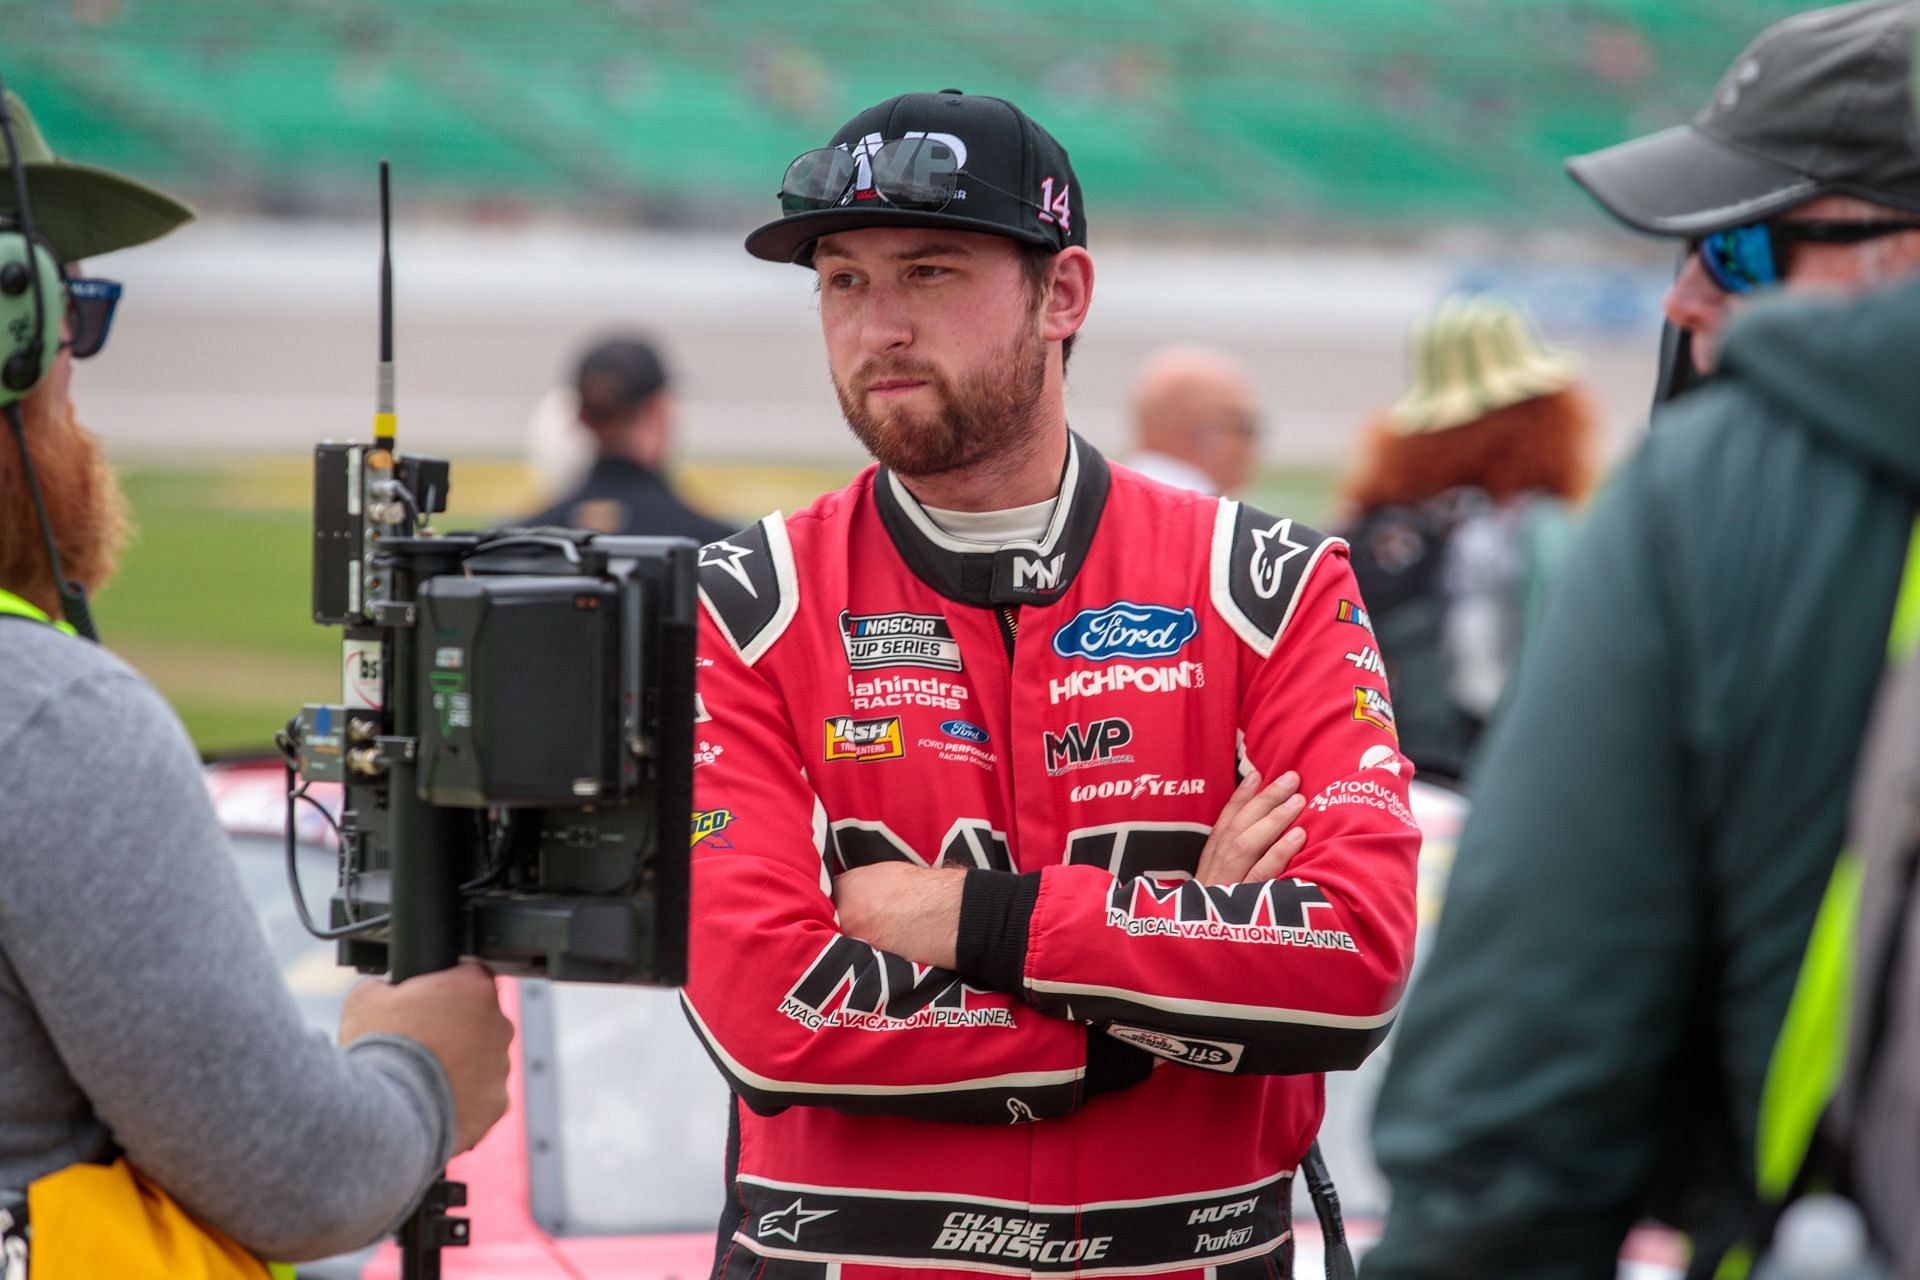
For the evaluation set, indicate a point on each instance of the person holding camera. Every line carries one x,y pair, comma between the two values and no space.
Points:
998,932
163,1110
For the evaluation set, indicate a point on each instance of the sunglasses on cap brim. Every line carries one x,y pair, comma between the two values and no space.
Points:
1742,259
90,307
920,174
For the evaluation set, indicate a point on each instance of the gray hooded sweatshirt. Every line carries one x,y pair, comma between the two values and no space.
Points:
140,1009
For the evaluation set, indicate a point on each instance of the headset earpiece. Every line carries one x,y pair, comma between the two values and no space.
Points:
28,352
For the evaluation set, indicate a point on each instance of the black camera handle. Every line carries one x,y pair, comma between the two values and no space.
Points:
424,934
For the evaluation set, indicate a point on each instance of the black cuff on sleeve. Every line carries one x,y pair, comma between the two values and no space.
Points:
1114,1064
995,910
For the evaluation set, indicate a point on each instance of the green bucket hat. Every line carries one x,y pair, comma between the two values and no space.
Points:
82,211
1474,354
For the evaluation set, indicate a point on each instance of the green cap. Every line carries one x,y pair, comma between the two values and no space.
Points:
1817,105
82,211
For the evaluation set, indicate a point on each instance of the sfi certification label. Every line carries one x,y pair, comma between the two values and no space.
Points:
360,685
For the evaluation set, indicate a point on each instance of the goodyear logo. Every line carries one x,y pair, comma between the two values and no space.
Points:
709,823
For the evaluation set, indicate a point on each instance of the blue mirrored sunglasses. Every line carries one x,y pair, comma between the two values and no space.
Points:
1742,259
90,306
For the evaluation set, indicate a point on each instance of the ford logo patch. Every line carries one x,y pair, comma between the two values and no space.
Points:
964,731
1126,630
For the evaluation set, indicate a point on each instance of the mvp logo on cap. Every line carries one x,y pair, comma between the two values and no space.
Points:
946,159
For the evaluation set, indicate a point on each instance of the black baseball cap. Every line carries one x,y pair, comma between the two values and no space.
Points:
1817,105
1007,175
615,376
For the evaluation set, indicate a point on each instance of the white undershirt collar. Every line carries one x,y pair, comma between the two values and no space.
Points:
996,528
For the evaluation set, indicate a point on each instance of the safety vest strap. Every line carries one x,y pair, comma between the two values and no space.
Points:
1805,1069
12,606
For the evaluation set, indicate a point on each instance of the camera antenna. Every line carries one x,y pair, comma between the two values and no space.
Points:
385,422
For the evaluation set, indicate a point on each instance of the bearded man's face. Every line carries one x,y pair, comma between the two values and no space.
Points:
934,343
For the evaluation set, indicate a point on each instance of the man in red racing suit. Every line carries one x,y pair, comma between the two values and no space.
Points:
1118,1070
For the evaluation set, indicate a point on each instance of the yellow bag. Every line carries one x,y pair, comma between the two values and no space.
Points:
94,1221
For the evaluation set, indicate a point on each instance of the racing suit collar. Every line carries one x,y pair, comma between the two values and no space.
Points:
1019,572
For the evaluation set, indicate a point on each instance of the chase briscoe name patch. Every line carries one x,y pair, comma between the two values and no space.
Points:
973,1233
898,640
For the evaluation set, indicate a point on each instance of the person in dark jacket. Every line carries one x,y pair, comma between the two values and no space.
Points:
1658,811
1662,802
626,404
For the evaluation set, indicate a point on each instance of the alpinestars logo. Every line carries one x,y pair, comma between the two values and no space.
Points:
1276,911
724,555
1272,548
850,984
787,1222
1087,746
898,640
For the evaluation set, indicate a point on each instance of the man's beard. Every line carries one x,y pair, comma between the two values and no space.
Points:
991,415
83,499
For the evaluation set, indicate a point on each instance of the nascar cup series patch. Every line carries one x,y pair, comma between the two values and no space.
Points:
898,640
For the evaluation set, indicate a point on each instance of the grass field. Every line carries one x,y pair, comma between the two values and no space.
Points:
212,601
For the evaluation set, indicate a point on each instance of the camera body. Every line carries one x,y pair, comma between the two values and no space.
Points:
515,733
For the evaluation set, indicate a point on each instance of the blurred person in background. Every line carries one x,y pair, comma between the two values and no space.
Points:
1796,174
624,402
163,1107
1458,507
1196,420
1660,805
1016,937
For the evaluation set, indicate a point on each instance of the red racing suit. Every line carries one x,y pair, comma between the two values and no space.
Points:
1124,1072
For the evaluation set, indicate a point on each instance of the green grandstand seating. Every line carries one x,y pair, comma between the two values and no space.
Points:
1229,110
